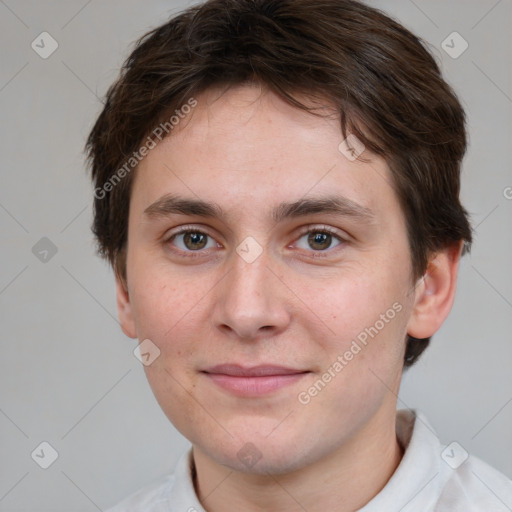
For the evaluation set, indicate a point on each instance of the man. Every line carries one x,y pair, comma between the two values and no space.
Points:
277,189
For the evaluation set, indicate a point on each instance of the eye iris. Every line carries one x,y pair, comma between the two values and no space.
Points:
322,239
196,240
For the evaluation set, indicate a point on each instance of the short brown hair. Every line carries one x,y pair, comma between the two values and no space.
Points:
381,79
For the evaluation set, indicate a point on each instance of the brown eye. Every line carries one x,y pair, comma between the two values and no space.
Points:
319,240
192,241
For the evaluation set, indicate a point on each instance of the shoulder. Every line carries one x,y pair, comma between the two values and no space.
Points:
152,498
172,492
474,486
436,478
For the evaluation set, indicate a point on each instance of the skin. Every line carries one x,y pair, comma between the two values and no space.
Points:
295,305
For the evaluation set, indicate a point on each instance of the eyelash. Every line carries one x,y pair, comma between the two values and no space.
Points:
308,229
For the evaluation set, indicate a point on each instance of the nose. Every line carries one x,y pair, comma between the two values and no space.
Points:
250,301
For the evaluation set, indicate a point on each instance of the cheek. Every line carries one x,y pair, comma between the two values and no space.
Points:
163,299
366,313
355,300
363,360
171,310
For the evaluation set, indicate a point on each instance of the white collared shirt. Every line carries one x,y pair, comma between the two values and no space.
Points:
429,478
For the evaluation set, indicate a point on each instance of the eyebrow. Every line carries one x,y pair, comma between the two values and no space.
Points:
337,205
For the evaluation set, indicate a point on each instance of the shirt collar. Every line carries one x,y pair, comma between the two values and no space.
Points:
413,485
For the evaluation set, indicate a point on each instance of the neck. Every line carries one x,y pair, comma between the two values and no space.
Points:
345,480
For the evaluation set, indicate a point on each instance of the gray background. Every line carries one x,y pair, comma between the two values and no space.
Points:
68,375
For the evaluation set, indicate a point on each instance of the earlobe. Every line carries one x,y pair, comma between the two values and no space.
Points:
435,293
124,309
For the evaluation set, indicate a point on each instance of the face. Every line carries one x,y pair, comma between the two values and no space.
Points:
280,308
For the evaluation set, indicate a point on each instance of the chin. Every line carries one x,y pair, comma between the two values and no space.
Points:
258,454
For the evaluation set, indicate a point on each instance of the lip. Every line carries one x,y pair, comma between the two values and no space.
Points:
255,380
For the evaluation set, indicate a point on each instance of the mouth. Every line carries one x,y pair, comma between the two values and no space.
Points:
253,381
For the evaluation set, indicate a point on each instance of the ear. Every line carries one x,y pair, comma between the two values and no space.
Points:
435,293
124,309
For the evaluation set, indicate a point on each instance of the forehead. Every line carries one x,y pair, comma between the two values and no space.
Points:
246,146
